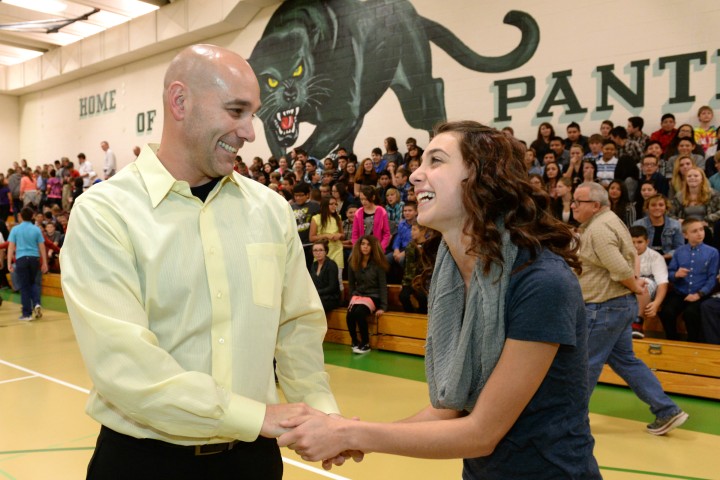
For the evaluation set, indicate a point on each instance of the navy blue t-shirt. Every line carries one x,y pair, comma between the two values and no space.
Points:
551,439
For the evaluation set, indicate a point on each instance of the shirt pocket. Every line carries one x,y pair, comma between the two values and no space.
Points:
266,261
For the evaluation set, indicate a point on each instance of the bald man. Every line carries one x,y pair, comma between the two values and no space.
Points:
183,280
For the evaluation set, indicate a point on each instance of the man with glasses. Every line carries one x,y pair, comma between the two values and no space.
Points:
609,283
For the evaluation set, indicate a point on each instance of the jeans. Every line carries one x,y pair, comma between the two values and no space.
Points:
610,341
27,269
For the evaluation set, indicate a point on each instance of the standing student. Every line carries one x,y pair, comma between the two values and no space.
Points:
506,368
183,280
27,248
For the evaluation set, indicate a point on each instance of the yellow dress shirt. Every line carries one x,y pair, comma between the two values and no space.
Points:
607,255
179,306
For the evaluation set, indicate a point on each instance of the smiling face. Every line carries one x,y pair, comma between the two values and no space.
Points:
685,147
657,208
439,185
614,191
647,190
215,94
685,165
693,178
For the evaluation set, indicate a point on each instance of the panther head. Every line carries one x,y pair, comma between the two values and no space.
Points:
289,90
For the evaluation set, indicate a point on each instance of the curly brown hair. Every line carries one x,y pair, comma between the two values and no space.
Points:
498,187
376,254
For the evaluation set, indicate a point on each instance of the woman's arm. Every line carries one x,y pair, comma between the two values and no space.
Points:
517,376
314,237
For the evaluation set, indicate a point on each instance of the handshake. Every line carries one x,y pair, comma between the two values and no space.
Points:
312,434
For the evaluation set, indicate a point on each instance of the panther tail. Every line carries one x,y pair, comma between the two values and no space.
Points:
445,39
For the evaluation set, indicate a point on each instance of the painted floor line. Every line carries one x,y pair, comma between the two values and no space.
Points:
46,377
18,379
86,391
655,474
319,471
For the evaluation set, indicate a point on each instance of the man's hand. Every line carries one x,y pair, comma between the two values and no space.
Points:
682,272
275,414
651,309
319,438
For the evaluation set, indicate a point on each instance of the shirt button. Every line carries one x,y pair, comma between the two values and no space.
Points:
222,340
219,295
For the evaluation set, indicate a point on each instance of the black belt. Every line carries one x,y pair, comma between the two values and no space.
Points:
207,449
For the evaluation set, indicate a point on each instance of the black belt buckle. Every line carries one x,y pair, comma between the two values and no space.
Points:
213,448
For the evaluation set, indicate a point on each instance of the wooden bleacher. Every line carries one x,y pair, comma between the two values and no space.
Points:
682,367
50,285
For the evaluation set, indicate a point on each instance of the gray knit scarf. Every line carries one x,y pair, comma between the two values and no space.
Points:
464,344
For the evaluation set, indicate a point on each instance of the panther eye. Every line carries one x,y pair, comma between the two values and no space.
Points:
298,71
272,82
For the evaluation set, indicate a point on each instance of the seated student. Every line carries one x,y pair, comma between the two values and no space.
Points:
605,128
383,185
562,156
607,164
379,162
541,144
402,182
654,270
419,234
664,233
368,289
561,203
347,242
371,218
324,274
574,137
646,190
685,147
550,177
620,204
667,131
710,319
394,209
595,143
403,237
531,162
326,226
697,200
705,131
589,170
536,180
715,179
692,272
650,167
574,170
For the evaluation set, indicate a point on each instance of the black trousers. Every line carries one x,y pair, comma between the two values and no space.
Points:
356,319
121,457
675,304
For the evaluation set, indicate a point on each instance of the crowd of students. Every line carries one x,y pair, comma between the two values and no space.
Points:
357,216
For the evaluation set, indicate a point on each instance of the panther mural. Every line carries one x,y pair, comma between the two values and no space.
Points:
328,62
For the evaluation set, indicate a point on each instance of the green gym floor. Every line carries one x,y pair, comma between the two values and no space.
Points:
45,433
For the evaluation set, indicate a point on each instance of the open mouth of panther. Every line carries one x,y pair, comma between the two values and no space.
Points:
286,125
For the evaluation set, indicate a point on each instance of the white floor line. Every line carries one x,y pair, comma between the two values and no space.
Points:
18,379
319,471
33,374
46,377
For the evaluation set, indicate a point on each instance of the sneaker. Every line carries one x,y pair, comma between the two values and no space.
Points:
661,426
637,334
364,349
356,349
37,311
28,318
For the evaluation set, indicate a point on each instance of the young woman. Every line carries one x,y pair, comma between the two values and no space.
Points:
680,169
536,180
697,200
684,148
365,175
605,128
561,204
620,202
506,369
551,175
574,171
371,219
324,274
391,151
298,169
664,233
589,171
347,176
327,226
684,131
340,193
368,289
541,145
647,190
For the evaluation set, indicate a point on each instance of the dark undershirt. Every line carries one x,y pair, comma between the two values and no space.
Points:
202,191
657,238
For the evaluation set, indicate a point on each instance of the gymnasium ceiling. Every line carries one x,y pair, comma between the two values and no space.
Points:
29,28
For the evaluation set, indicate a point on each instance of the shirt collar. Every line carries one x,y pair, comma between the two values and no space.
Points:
159,182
